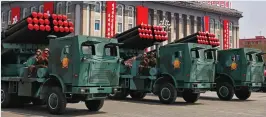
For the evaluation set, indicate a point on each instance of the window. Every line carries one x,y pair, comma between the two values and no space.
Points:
119,28
119,11
59,8
9,17
194,54
3,17
130,12
219,36
41,8
68,9
212,24
259,58
97,7
130,26
208,55
33,9
88,49
110,51
25,10
97,25
249,57
217,24
230,26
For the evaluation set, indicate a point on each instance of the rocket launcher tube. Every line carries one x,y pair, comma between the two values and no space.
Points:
126,36
127,31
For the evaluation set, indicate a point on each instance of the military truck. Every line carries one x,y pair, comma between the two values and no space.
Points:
180,68
80,68
238,71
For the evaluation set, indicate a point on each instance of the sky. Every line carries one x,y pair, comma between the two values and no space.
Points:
254,18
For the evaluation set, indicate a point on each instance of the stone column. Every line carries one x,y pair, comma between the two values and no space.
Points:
173,33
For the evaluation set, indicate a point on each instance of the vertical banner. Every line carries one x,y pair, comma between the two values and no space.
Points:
142,15
206,23
110,19
15,15
48,7
226,35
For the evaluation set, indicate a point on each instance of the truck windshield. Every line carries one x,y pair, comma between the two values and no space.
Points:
88,49
110,50
195,54
250,57
208,55
259,58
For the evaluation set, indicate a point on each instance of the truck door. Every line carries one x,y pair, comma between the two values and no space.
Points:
234,66
178,63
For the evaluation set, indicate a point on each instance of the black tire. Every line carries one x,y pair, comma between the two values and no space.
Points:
5,96
263,89
38,102
167,93
59,104
225,91
137,95
190,97
119,95
243,93
94,105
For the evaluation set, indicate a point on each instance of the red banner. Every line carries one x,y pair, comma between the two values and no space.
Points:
110,19
142,15
206,23
226,35
15,15
48,7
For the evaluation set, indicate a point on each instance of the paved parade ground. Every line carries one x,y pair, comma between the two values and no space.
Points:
208,106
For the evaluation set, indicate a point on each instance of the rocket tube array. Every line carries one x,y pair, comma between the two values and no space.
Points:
200,38
142,36
36,27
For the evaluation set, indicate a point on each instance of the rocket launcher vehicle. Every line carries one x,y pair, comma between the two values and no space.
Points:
200,38
35,28
141,36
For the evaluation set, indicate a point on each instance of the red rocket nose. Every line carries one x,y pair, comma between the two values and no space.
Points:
70,24
45,15
65,23
29,20
36,27
61,29
71,29
60,23
41,21
35,21
42,27
34,14
56,29
64,17
47,28
54,16
30,26
66,29
59,17
40,15
55,22
46,21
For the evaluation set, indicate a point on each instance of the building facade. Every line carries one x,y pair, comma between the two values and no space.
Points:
258,42
185,17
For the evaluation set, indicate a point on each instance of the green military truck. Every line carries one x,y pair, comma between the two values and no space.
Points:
80,68
239,71
181,68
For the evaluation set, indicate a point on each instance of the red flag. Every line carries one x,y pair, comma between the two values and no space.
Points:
48,7
110,19
142,15
206,23
226,35
15,15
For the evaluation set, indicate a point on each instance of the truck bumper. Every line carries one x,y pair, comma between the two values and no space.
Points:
253,84
93,93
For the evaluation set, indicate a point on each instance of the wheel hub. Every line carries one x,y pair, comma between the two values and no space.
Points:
2,95
224,91
165,93
53,101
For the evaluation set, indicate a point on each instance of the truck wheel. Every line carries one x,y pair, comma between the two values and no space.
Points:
225,91
190,97
38,102
137,95
167,93
119,95
94,105
56,101
243,93
5,96
263,89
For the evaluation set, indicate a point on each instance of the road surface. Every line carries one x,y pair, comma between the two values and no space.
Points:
207,106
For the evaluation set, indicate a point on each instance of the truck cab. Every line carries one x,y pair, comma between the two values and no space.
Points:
80,68
190,65
239,71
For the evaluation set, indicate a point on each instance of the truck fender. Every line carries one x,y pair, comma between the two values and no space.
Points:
54,80
165,76
224,77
